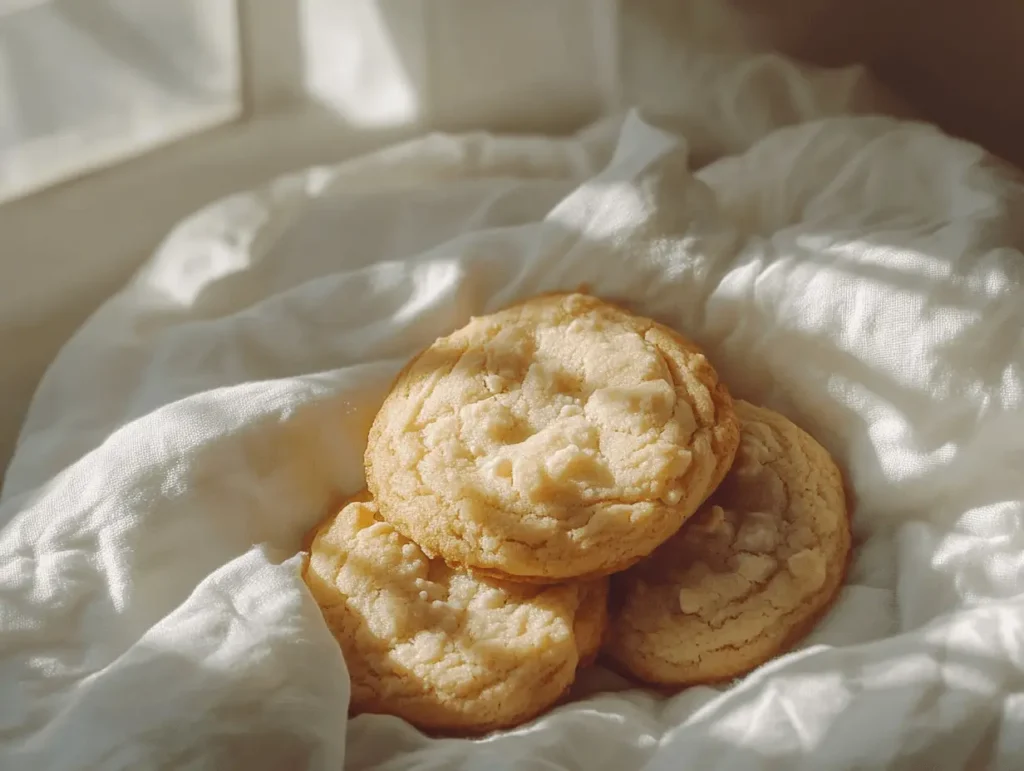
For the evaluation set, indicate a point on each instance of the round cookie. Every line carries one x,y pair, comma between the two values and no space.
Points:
557,439
750,573
442,648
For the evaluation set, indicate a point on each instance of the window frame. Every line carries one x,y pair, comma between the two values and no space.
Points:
107,153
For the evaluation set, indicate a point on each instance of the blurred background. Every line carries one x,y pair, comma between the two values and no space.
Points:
120,117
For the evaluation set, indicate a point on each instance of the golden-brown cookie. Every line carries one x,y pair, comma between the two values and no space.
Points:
560,438
748,575
591,619
444,649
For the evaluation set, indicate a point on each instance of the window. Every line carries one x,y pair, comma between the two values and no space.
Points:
84,83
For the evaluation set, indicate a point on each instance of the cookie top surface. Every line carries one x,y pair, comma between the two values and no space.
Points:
559,438
437,646
750,572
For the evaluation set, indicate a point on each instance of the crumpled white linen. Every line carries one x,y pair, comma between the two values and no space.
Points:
860,274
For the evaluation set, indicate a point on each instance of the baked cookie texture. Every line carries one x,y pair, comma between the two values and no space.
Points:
557,439
445,650
748,575
591,619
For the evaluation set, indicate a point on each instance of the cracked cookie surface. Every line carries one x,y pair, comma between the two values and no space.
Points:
440,647
749,574
560,438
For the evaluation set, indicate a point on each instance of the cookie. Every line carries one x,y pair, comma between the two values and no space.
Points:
557,439
445,650
748,575
591,620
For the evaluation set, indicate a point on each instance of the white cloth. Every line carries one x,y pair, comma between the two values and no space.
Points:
861,274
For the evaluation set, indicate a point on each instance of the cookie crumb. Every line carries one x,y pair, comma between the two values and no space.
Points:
808,567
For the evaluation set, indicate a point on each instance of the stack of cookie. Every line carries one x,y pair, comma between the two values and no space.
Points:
523,462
